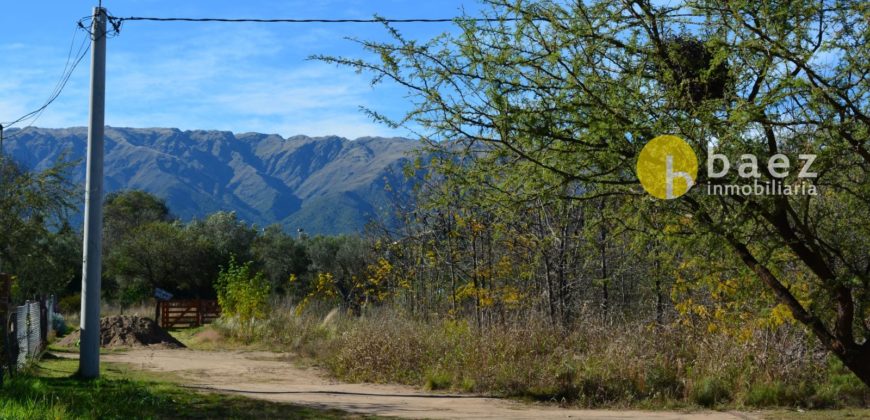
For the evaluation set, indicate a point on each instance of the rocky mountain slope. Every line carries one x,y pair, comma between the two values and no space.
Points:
321,184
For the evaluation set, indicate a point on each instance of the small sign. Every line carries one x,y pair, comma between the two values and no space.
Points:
162,294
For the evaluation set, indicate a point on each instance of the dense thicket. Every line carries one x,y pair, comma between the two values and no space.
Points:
147,248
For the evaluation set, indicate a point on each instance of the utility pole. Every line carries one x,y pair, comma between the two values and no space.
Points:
2,174
89,346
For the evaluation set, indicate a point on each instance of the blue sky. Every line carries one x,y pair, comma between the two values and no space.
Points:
237,77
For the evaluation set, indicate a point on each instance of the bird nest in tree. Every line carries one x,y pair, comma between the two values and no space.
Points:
692,70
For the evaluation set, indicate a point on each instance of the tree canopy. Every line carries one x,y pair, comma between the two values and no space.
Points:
36,243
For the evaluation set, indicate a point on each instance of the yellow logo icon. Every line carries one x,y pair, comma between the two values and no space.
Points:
667,167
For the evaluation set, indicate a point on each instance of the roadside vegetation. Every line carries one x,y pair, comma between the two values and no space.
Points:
595,364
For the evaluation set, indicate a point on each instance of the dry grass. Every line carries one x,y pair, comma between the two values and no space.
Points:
594,365
144,309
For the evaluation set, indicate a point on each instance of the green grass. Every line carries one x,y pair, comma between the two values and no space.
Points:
50,390
849,413
55,348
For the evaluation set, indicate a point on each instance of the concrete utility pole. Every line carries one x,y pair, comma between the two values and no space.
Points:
89,346
2,173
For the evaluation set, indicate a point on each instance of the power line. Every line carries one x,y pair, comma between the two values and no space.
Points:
34,115
58,86
83,24
68,70
116,23
254,20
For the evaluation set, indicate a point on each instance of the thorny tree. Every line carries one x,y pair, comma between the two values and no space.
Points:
562,96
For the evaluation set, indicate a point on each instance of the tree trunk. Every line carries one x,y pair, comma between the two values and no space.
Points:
550,294
857,359
475,280
452,264
854,356
602,243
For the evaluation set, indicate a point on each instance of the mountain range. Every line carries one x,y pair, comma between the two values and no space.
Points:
324,185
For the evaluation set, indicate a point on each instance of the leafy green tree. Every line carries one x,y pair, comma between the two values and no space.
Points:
556,100
36,244
345,260
226,234
280,256
148,250
125,215
53,264
242,293
212,242
124,211
151,255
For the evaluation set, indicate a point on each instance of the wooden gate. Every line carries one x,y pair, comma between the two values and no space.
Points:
187,312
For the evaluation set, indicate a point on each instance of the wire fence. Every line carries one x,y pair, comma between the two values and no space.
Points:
25,331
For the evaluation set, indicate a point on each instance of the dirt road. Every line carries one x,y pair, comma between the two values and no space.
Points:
269,376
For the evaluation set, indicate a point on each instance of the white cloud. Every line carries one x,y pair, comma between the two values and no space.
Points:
245,78
239,81
28,75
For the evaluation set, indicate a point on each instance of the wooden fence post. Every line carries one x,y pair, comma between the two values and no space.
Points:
43,321
200,309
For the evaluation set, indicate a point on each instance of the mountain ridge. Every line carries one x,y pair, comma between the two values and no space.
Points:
327,185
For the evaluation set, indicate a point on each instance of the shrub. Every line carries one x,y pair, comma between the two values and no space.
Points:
778,394
841,389
438,380
662,381
711,391
58,323
70,304
242,294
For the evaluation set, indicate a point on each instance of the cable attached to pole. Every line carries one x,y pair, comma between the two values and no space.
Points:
257,20
116,21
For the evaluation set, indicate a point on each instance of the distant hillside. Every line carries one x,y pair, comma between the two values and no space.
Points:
321,184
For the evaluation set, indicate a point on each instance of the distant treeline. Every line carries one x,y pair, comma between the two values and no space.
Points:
145,247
